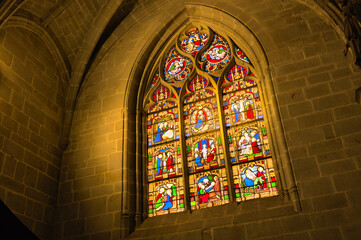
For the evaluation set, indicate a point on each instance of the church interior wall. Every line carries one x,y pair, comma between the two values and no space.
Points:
90,189
32,112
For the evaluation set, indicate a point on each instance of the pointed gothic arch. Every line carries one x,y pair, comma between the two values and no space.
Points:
134,197
232,161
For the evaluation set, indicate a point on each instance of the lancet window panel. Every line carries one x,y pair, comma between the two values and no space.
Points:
205,152
205,126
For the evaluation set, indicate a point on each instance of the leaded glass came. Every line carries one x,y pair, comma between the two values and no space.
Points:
205,126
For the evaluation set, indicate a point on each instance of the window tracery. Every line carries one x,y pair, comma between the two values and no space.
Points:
206,133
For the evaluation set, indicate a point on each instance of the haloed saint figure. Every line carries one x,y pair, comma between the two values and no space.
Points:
201,119
209,189
164,199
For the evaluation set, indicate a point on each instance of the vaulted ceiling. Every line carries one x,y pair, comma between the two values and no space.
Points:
71,22
77,29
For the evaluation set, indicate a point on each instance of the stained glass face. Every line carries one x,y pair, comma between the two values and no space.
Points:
248,142
255,180
217,55
201,117
205,152
176,67
242,106
164,161
194,41
217,128
166,197
163,127
208,189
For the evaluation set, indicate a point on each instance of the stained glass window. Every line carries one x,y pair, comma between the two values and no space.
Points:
207,140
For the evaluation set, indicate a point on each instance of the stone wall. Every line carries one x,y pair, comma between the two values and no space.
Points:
32,109
314,86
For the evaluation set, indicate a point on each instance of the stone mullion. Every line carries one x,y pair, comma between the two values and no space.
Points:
183,147
226,152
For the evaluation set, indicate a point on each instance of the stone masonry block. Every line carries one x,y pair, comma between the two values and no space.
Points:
115,161
92,207
329,202
13,149
296,223
328,218
346,181
292,85
5,92
114,202
229,232
337,167
99,223
35,161
74,227
307,136
88,182
314,119
306,168
114,176
20,117
269,228
47,185
329,233
34,112
352,231
112,102
103,149
16,202
345,112
84,172
6,108
301,108
20,171
354,197
31,176
317,91
82,195
330,101
10,124
325,146
9,166
316,187
67,212
348,126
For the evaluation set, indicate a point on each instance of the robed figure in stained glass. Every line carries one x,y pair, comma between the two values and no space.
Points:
159,164
205,126
200,119
199,161
158,136
212,154
252,179
255,142
208,189
249,109
164,199
170,163
238,109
